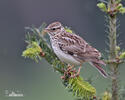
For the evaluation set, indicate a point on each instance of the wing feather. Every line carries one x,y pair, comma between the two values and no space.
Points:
77,47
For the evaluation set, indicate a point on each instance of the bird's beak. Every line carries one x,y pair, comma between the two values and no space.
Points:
46,30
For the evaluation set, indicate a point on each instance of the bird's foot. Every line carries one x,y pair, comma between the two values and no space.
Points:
70,67
71,73
67,72
77,74
62,77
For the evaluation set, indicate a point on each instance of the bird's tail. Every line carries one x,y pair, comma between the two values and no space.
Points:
100,69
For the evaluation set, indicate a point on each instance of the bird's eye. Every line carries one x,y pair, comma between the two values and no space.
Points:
53,29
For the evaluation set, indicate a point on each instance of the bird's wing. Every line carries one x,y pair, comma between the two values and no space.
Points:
77,47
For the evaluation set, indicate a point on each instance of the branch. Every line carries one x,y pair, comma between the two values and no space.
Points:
112,8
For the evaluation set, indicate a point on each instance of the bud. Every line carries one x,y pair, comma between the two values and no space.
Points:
118,1
122,55
119,6
122,10
102,6
32,51
117,48
107,96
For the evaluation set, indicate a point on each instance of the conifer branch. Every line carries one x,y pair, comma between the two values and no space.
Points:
112,8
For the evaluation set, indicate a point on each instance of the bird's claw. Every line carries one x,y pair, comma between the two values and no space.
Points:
70,73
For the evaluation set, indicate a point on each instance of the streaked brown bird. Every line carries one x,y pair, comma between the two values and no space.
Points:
72,49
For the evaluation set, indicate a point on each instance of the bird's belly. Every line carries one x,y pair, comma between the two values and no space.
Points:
65,57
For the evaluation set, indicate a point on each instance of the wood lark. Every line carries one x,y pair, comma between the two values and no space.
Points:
72,49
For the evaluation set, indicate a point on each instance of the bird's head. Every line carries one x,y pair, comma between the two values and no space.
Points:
54,28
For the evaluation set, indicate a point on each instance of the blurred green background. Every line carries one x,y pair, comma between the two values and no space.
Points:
38,81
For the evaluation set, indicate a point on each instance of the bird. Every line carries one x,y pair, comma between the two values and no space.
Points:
73,49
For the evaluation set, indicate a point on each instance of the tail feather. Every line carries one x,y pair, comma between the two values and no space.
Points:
101,70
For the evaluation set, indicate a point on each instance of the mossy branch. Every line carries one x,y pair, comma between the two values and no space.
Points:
38,48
